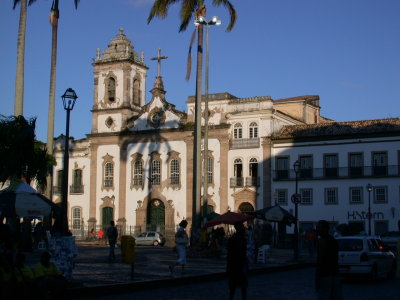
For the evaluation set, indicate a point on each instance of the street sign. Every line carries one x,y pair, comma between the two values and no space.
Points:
296,198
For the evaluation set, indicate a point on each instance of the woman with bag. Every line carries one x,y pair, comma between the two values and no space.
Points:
181,241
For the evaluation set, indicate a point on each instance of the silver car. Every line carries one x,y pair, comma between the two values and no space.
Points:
365,255
149,238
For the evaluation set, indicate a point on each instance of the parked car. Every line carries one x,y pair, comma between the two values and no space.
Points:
390,239
365,255
150,238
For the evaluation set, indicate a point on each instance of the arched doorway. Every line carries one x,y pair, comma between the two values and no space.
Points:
156,216
107,216
245,207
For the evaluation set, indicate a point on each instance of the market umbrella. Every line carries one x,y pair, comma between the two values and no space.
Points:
275,214
229,218
24,201
212,215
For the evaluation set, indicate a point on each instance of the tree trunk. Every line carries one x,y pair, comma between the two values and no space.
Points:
54,14
197,136
19,81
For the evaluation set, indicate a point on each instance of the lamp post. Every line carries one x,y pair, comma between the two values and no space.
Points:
68,99
369,189
296,198
203,21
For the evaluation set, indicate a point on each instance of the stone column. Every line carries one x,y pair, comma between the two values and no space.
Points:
266,182
93,184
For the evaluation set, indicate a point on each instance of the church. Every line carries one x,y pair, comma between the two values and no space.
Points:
135,166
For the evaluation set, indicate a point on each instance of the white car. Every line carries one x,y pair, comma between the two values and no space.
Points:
149,238
365,255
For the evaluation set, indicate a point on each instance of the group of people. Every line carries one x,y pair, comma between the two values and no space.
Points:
19,280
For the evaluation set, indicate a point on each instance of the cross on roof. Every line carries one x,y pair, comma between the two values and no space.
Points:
158,59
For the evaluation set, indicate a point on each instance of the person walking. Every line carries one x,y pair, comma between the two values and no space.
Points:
236,264
181,241
327,281
112,235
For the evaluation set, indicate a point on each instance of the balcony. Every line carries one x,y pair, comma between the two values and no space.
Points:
76,189
252,181
342,173
57,189
237,182
244,143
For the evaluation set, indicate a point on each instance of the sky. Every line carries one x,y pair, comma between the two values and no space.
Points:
345,51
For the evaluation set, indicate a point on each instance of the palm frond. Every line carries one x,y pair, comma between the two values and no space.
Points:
232,12
160,9
187,11
189,61
76,3
18,1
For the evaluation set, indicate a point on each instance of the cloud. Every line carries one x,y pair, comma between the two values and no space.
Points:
351,85
140,3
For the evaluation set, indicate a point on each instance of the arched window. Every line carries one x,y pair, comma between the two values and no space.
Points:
76,217
253,167
238,172
136,92
253,130
108,174
155,172
77,186
59,181
237,131
111,89
174,171
138,173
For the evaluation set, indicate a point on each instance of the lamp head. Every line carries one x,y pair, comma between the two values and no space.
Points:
296,166
369,187
69,99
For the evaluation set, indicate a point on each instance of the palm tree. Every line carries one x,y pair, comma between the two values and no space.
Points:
196,9
21,156
54,16
19,81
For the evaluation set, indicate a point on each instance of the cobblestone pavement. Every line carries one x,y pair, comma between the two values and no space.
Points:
285,285
151,263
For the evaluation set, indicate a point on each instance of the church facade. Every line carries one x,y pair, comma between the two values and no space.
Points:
135,166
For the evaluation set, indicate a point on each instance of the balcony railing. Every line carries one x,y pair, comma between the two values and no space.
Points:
244,143
76,189
244,181
57,189
343,172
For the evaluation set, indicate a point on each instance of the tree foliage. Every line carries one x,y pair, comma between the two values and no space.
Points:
21,155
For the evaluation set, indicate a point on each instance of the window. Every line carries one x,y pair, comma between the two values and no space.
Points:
155,172
174,171
356,164
77,177
138,173
238,171
356,195
282,167
331,196
253,172
306,166
306,196
380,194
330,165
59,180
381,227
108,174
282,197
111,89
210,170
379,163
237,131
76,218
253,130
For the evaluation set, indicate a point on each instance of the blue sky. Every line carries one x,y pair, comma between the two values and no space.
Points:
345,51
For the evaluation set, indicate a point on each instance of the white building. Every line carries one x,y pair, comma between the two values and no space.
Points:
135,165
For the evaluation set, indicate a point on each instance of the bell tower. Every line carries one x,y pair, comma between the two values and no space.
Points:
119,85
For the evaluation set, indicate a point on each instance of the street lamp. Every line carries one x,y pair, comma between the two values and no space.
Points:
296,198
68,99
369,189
203,21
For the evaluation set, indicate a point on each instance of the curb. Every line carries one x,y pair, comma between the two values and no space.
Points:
122,288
